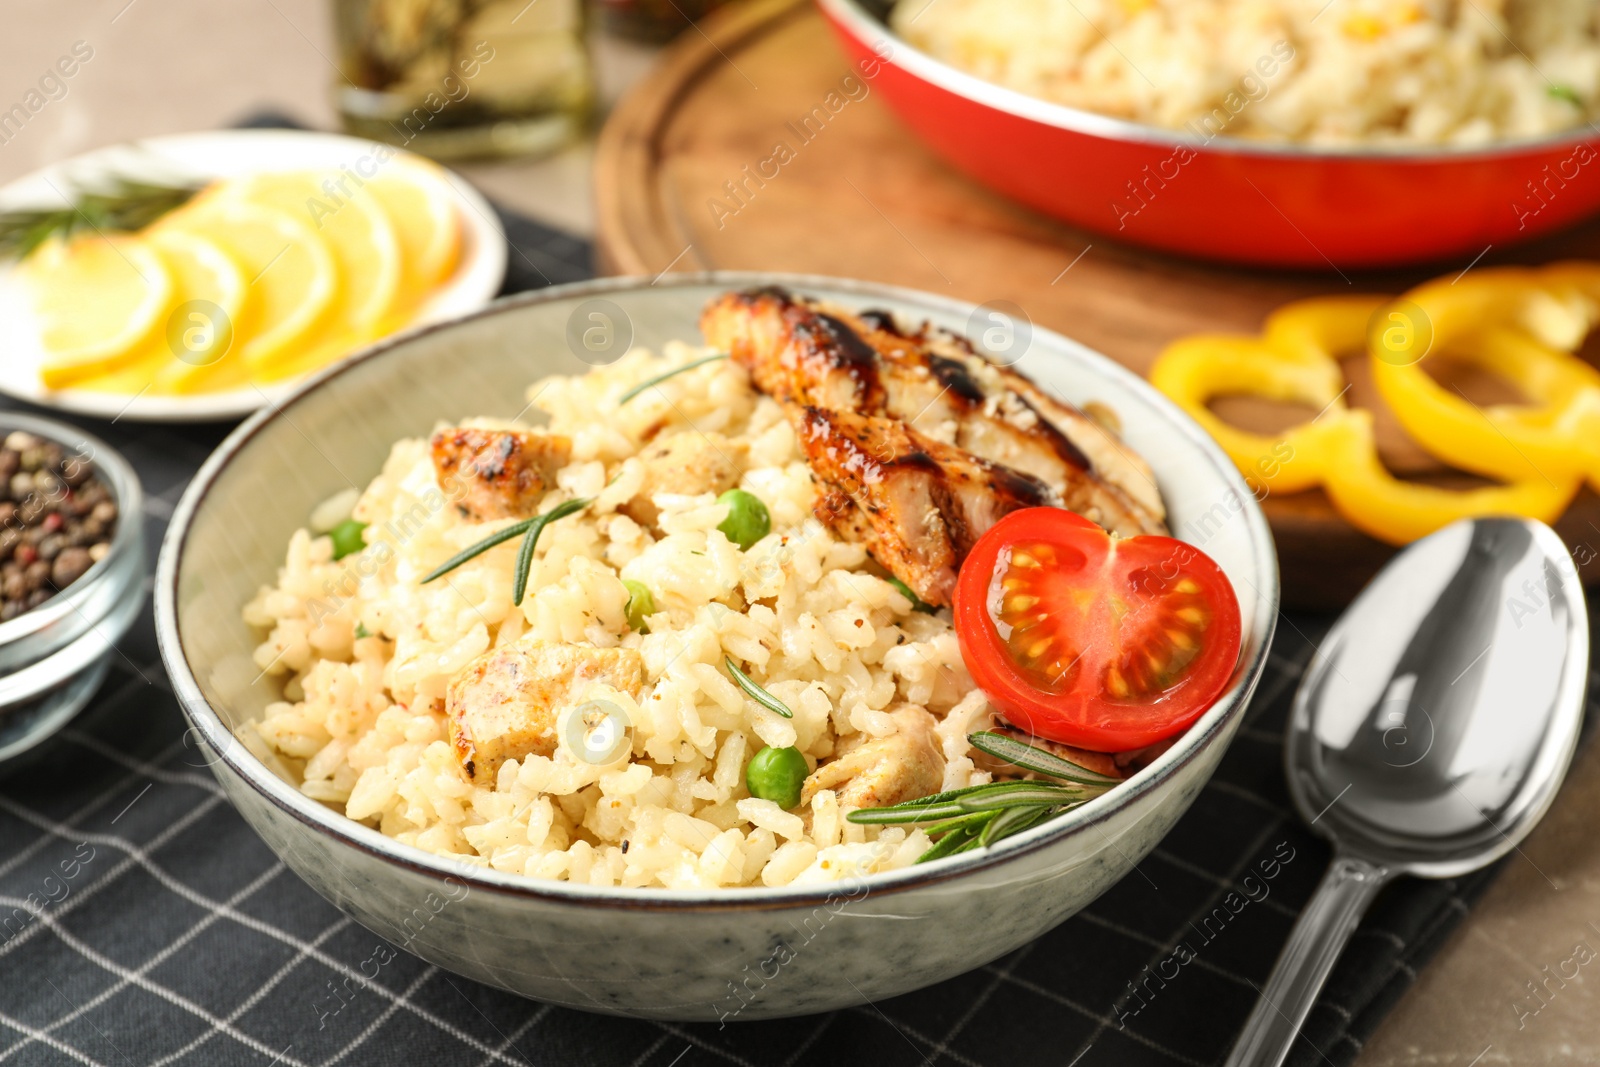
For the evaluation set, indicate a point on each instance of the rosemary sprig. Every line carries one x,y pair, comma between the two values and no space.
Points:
516,529
519,586
532,527
122,204
755,692
980,815
658,379
958,803
1024,755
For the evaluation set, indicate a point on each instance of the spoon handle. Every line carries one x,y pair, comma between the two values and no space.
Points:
1313,947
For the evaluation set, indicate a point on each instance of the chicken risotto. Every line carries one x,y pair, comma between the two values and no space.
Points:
1347,72
675,635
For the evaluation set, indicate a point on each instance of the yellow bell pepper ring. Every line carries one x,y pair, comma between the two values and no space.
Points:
1336,450
1380,505
1520,325
1197,370
1313,330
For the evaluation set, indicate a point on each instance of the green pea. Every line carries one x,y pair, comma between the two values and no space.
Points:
347,538
776,774
917,603
641,605
362,631
747,521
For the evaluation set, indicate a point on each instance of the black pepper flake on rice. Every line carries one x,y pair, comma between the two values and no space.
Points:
57,518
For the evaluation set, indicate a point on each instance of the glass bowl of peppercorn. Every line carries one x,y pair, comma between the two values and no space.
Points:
72,569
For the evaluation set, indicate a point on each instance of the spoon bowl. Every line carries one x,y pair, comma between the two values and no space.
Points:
1436,722
1430,734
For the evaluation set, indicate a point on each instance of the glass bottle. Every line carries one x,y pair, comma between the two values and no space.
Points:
454,79
652,20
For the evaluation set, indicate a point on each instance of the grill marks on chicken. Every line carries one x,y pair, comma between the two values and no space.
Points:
917,504
919,443
500,474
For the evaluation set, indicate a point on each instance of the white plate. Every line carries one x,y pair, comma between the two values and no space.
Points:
220,154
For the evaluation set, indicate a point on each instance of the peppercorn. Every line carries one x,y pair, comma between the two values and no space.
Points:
57,518
69,566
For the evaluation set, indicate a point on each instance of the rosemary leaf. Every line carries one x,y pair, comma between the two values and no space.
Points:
923,802
956,841
519,583
953,795
756,693
1029,758
1564,92
525,554
1042,794
958,823
958,802
658,379
1011,821
123,204
898,817
917,603
516,529
500,537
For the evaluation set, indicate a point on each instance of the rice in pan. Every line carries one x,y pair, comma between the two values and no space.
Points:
1322,72
367,656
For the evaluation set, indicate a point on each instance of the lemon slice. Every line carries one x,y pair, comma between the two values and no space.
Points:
98,300
291,285
419,201
208,297
364,244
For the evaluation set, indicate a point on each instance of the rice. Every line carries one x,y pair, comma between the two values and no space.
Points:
365,654
1322,72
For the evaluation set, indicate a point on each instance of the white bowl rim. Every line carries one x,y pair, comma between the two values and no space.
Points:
1229,707
866,27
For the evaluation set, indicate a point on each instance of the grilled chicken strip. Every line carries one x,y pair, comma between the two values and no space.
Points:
497,474
918,505
965,440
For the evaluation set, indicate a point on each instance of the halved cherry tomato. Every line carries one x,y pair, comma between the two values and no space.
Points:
1105,643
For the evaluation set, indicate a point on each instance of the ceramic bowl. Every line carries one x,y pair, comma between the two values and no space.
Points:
658,953
54,657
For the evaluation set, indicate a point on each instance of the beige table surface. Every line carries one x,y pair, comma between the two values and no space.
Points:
168,66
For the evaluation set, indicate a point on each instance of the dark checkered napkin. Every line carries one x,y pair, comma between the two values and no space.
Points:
142,922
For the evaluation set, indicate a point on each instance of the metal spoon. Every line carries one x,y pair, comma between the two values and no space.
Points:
1429,735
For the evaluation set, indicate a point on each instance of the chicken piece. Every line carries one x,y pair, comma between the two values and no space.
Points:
688,462
887,770
918,505
1098,762
504,704
825,357
497,474
1092,437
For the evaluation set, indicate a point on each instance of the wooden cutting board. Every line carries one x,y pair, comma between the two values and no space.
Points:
678,188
